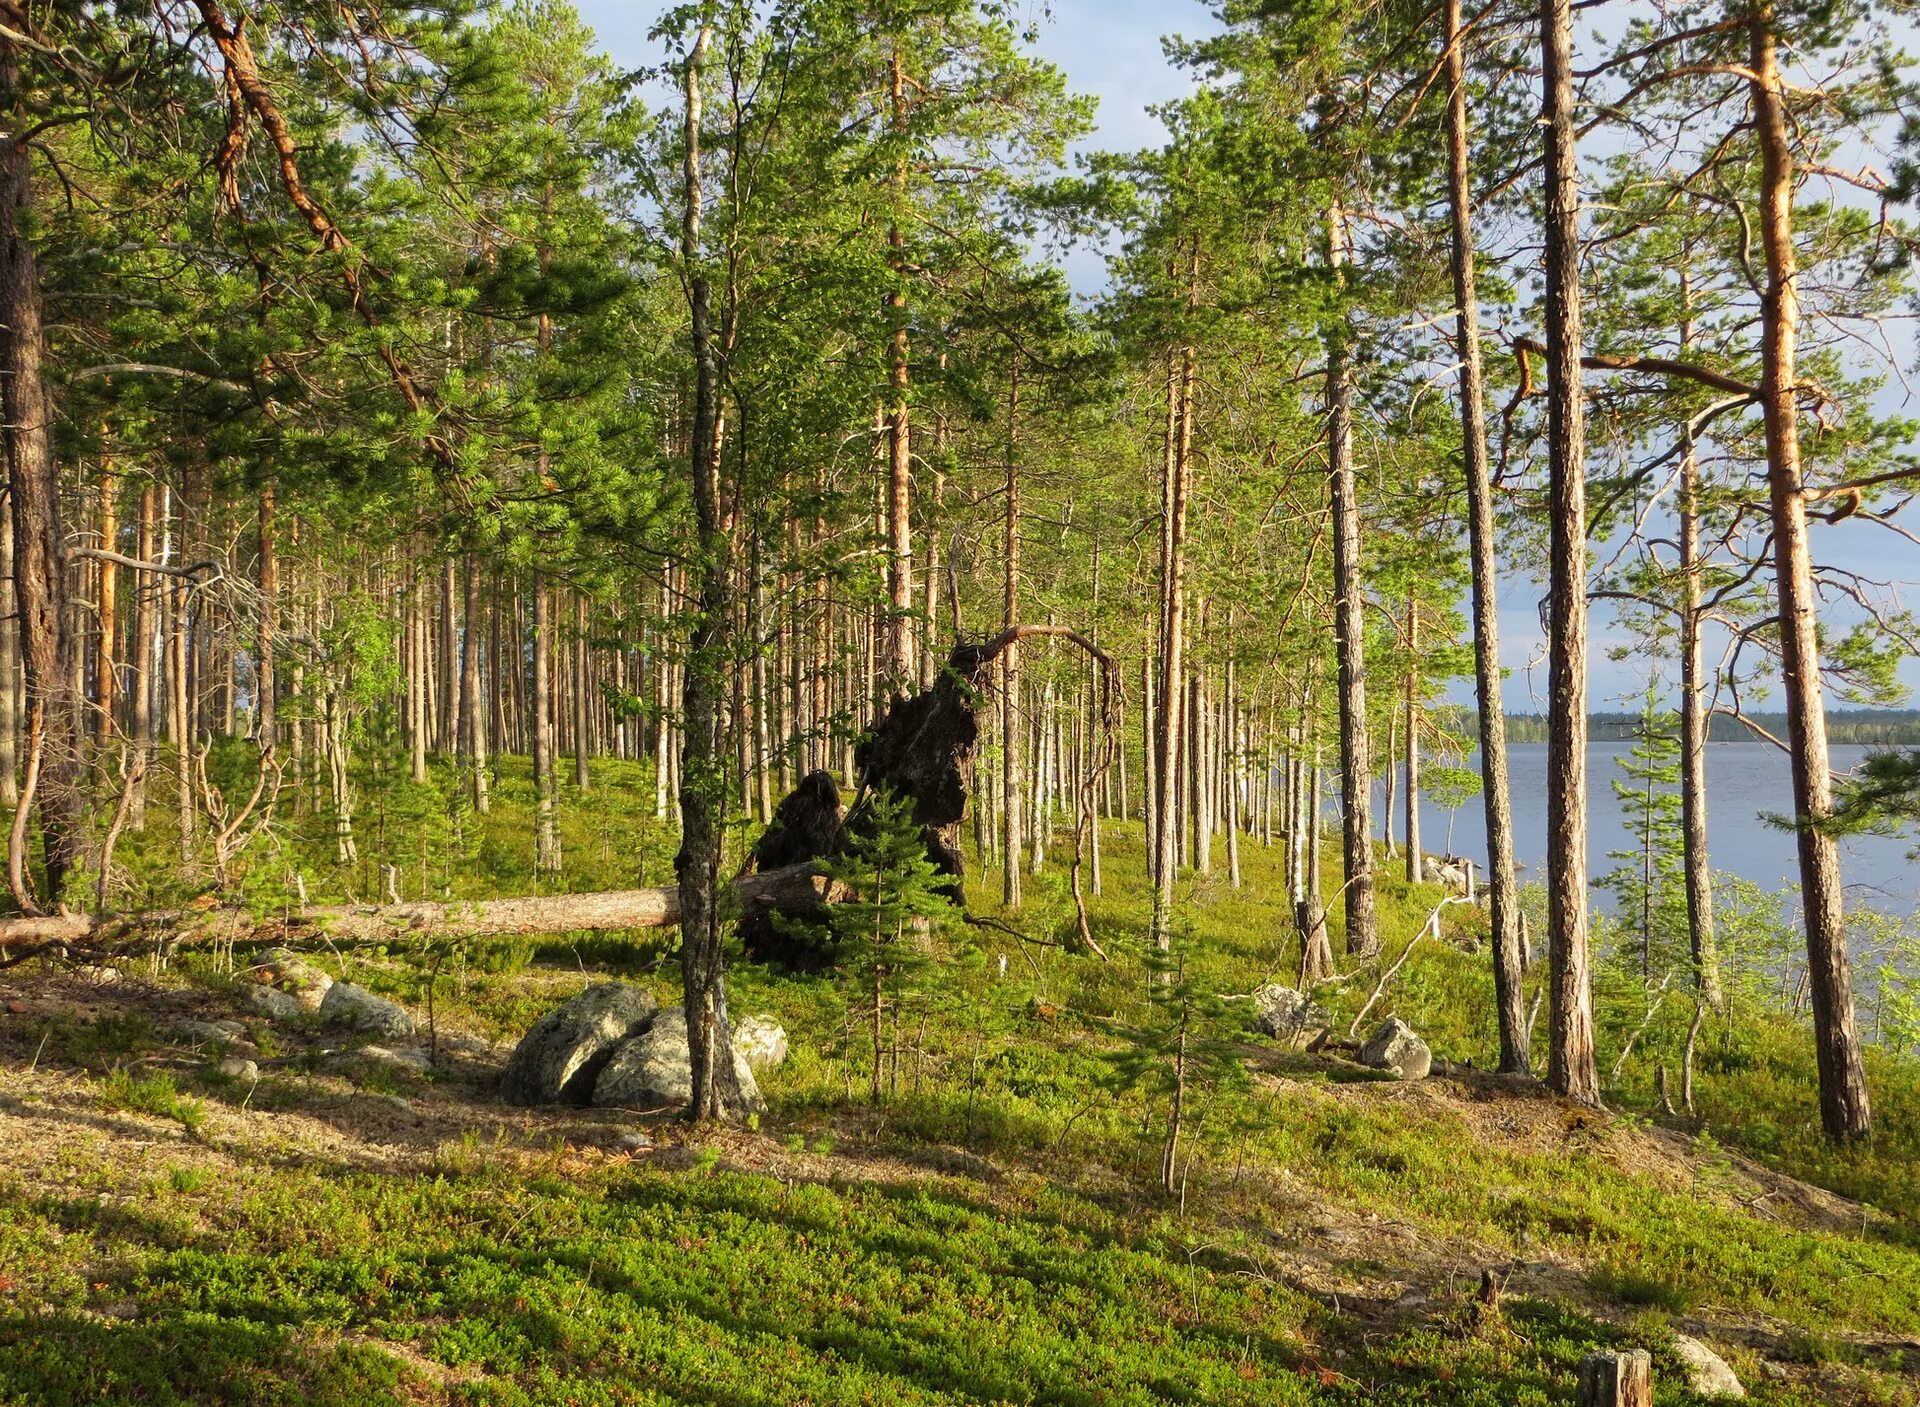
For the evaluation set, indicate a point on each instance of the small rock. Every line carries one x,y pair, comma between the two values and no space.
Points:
408,1057
95,975
1707,1372
1288,1015
558,1060
289,972
760,1041
347,1004
396,1103
633,1142
654,1069
236,1068
207,1032
16,1007
1411,1299
1397,1047
271,1002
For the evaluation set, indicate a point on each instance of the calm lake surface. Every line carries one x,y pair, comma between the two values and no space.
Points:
1745,783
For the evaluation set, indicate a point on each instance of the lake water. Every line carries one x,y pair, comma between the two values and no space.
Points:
1745,783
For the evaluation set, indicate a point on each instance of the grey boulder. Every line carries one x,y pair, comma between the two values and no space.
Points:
208,1032
1707,1372
655,1070
1397,1047
236,1068
347,1004
558,1061
760,1041
271,1002
1287,1014
287,971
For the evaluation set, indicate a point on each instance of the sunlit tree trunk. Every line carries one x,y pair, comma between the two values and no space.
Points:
1349,616
1570,1061
1844,1108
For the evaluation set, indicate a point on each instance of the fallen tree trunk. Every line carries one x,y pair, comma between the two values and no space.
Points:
789,889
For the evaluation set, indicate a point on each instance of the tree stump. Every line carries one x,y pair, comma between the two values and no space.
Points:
1616,1379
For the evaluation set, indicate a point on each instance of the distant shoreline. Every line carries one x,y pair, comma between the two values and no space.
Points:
1855,727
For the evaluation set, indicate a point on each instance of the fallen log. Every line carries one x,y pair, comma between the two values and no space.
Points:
789,889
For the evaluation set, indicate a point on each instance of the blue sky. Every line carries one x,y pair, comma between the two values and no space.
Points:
1112,50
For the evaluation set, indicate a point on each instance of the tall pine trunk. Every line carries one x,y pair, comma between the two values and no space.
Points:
703,783
1570,1059
1349,625
40,556
1844,1108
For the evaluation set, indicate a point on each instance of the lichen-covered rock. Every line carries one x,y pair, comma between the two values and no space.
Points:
286,971
271,1002
1707,1372
235,1067
1395,1046
558,1060
207,1032
402,1057
346,1004
654,1069
761,1041
1288,1015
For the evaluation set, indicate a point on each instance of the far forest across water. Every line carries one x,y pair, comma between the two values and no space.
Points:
1868,727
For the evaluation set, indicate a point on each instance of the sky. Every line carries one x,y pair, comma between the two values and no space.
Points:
1112,50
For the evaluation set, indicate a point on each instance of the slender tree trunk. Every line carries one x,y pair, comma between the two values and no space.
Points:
546,819
473,707
1356,757
106,683
1693,708
1844,1108
10,675
40,580
1171,730
582,696
1416,860
142,655
267,632
1570,1062
1503,908
1012,836
899,667
703,790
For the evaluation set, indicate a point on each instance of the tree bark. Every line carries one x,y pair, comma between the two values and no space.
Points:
1013,836
546,846
703,789
105,682
899,668
1844,1108
1570,1064
790,889
1693,710
39,539
1356,758
582,697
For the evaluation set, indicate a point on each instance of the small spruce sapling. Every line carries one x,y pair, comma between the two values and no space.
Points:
882,932
1185,1051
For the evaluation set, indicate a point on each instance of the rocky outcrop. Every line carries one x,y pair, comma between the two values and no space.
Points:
558,1061
1396,1046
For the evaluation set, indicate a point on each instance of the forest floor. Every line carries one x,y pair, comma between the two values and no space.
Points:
351,1231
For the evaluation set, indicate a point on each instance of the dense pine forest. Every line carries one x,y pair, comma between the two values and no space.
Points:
653,754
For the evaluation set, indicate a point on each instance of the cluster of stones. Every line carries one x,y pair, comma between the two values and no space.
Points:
1291,1017
612,1047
